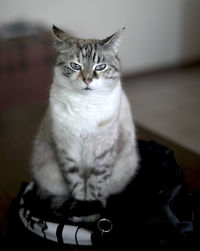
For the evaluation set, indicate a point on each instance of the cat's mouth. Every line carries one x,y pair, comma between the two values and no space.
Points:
87,89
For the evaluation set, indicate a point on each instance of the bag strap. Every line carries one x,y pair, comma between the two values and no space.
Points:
182,227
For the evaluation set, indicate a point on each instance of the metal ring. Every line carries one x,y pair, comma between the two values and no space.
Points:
107,221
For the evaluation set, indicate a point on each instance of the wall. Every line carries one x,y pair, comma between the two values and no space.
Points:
159,32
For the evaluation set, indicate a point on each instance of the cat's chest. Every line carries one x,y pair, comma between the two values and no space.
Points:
85,128
83,116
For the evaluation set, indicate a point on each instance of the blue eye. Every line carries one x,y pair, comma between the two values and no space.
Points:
100,67
75,66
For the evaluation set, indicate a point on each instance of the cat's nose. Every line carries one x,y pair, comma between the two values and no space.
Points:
87,79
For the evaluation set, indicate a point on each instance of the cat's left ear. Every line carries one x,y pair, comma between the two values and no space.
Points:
113,42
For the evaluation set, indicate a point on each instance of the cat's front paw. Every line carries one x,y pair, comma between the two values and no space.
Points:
97,197
84,211
86,219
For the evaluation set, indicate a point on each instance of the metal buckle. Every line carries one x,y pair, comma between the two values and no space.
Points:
104,225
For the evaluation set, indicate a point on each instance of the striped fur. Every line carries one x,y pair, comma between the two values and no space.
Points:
88,55
86,146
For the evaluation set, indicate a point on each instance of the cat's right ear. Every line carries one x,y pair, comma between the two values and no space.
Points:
61,39
59,34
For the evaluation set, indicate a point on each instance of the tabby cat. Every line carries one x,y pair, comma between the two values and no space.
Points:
86,145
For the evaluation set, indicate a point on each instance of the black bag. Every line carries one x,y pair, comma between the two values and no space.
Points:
154,211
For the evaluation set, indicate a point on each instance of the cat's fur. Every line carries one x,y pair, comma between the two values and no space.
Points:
86,145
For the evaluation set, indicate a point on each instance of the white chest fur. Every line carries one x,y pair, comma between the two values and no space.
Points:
83,122
83,112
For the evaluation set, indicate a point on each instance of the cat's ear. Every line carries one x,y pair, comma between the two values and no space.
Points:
61,39
59,34
113,42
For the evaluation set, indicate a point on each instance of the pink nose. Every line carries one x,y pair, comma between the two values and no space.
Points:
87,80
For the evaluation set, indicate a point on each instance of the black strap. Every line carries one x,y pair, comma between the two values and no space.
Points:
184,226
76,239
59,231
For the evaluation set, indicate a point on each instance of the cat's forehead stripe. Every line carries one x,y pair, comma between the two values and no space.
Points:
90,51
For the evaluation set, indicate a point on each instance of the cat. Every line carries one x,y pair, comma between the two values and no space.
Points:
86,145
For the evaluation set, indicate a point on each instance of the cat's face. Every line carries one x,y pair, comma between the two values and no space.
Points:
87,65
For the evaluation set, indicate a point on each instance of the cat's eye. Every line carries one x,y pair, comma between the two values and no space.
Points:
75,66
100,67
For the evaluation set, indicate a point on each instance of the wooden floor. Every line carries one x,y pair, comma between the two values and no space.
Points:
17,130
168,103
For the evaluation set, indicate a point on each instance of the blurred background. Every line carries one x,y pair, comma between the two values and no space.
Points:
159,32
160,56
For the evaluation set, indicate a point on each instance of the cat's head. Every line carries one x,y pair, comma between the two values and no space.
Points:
87,64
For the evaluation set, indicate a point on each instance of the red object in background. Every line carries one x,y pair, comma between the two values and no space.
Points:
25,71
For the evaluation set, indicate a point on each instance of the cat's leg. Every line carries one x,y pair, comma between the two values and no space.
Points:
96,184
78,189
115,167
72,175
48,177
125,168
100,175
74,180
